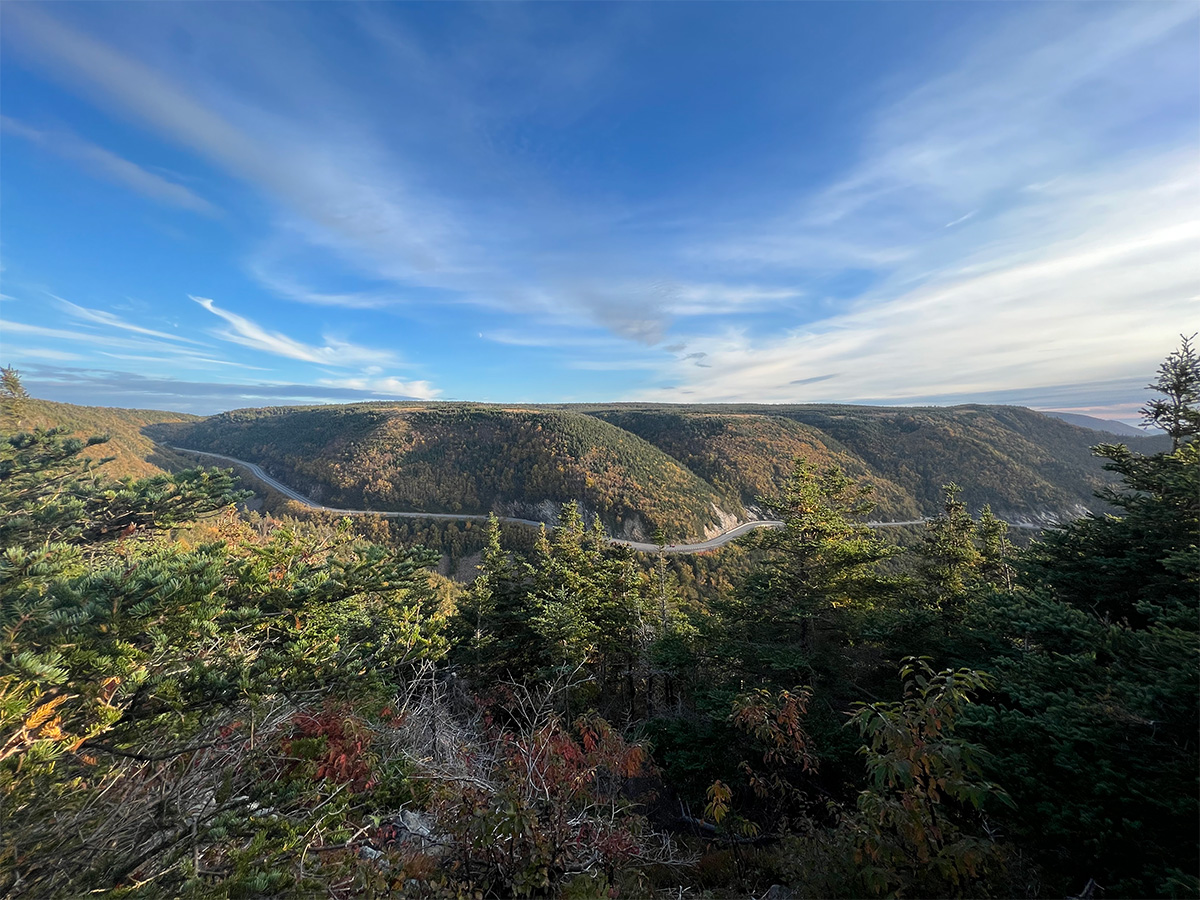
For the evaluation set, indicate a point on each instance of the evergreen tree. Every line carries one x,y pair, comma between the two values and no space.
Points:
821,573
493,633
1097,714
958,559
119,645
13,396
48,492
1177,411
948,555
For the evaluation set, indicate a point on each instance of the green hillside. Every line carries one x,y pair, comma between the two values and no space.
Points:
1023,463
466,458
745,456
642,467
133,452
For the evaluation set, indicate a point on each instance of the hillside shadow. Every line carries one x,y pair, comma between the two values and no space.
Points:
163,434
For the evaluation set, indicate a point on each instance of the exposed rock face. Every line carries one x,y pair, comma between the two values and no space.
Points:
725,521
633,529
542,511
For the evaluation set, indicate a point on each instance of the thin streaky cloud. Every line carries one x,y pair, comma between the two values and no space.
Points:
1014,204
113,167
1057,316
340,354
102,317
184,360
333,188
47,353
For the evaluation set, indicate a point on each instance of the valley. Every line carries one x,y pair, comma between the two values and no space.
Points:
675,475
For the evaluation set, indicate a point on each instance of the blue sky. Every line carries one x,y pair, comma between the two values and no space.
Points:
208,206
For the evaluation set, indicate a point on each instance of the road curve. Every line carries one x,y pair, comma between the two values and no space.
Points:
710,544
291,494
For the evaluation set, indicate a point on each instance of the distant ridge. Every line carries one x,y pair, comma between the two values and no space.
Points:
1109,425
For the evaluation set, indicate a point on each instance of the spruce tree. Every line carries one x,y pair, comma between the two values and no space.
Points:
821,574
1177,411
1097,711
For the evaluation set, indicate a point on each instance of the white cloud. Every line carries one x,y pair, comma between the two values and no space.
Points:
551,339
341,354
1076,263
102,317
185,361
716,299
1102,298
416,390
1016,114
84,341
341,187
43,353
113,167
291,289
998,208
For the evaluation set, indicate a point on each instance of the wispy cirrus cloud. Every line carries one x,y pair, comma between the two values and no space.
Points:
247,333
1022,233
114,168
291,289
1107,294
84,341
339,187
137,344
103,317
49,353
988,219
341,191
195,362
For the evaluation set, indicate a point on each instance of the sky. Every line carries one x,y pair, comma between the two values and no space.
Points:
211,206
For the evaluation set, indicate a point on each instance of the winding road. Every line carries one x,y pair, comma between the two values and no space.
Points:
710,544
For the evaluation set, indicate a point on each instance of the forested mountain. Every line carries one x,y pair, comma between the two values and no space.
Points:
685,470
470,459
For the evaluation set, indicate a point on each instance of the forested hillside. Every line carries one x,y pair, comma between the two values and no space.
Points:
132,450
747,455
469,459
686,471
1024,464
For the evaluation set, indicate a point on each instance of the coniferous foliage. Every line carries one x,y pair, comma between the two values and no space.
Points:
129,664
1097,727
821,574
1177,411
49,492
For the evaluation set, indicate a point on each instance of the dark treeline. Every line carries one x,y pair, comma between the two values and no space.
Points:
200,701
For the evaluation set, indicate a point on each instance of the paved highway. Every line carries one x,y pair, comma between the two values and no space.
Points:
710,544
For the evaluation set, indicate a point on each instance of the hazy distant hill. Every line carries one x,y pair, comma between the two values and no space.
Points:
1107,425
134,453
687,469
